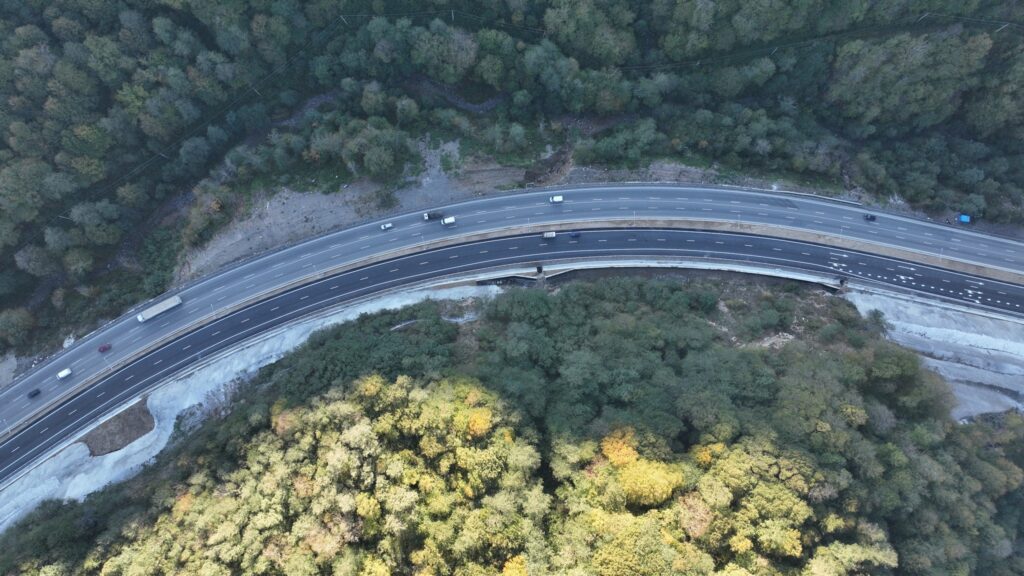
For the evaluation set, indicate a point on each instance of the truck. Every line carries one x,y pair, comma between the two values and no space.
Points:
433,215
158,308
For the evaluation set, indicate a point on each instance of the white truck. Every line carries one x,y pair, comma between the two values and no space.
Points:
158,308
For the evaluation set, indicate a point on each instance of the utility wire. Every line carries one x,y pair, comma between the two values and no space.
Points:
343,20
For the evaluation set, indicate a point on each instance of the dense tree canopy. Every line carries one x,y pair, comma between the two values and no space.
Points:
619,429
113,110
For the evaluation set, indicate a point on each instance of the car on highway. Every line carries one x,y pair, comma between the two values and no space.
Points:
103,348
574,234
870,217
449,221
63,373
387,226
549,235
35,392
433,215
558,199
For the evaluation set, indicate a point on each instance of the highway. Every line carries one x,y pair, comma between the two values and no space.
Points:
229,287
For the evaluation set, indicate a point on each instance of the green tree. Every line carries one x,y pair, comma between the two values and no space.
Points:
35,260
597,31
78,262
21,189
998,103
905,82
98,221
16,326
636,550
444,53
498,59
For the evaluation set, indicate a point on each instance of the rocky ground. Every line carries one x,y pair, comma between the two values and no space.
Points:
981,355
119,431
119,447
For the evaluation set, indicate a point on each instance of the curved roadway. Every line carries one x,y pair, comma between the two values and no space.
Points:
235,285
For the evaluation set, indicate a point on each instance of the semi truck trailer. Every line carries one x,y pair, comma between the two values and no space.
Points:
158,308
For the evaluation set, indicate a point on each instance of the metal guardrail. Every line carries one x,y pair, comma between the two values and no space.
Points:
821,278
420,246
89,337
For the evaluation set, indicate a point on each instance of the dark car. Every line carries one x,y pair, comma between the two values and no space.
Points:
574,234
869,217
104,347
34,393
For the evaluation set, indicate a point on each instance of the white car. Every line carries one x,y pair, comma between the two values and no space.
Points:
449,221
64,373
556,199
549,235
387,226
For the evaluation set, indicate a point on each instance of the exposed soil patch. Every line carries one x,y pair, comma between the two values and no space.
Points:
773,342
551,169
668,171
283,216
8,368
121,430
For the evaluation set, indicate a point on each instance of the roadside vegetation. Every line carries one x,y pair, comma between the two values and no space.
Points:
619,428
133,130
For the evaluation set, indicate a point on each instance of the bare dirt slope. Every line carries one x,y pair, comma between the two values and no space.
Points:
283,216
980,355
121,430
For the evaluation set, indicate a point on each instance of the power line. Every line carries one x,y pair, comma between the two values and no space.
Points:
343,20
811,41
223,108
1002,23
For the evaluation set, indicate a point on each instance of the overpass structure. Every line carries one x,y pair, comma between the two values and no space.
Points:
766,230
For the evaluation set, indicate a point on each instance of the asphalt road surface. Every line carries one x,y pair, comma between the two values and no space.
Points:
233,285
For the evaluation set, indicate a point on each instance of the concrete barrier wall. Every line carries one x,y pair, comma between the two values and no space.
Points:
774,231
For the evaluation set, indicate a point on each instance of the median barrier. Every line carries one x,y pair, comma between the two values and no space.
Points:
715,225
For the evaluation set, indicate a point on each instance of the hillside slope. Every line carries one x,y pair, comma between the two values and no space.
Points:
621,428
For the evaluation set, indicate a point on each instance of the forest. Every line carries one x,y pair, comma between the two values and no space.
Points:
117,113
624,427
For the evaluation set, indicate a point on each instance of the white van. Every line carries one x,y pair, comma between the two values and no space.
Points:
63,373
549,235
556,199
449,221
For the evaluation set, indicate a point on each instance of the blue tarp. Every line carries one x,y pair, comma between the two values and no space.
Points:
964,219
